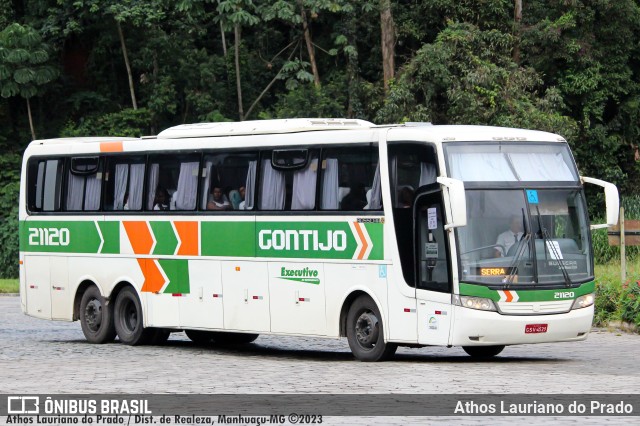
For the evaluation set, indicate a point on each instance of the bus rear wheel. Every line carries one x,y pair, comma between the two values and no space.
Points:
483,352
365,332
96,317
128,319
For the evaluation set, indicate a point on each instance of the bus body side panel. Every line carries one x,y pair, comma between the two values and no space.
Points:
403,315
344,279
202,307
246,296
297,297
38,290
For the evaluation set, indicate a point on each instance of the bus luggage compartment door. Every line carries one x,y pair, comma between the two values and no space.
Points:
246,296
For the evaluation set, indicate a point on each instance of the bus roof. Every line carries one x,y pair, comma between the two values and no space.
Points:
256,127
88,139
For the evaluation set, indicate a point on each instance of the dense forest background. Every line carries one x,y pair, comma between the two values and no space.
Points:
136,67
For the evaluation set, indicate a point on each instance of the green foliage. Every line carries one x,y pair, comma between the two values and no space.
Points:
9,191
607,302
24,58
126,123
630,303
605,253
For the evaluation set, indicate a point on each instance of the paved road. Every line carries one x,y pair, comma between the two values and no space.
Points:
53,357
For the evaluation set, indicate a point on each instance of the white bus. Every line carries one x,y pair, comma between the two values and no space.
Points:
402,235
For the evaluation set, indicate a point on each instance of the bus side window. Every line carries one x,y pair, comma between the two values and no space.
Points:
124,181
293,189
231,176
84,184
45,184
350,179
172,182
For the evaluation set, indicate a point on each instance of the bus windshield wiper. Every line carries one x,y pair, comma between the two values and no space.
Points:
523,244
549,246
513,268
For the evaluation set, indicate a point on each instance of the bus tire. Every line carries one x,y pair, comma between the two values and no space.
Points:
233,338
365,332
200,337
128,318
482,352
96,317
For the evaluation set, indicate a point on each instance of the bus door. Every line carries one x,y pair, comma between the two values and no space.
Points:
433,275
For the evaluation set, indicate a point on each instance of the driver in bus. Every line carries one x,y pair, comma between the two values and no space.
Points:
509,237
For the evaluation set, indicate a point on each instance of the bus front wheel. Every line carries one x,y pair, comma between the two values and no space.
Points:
365,331
128,318
96,317
483,352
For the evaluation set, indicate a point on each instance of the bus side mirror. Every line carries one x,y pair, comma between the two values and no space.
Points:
457,206
611,199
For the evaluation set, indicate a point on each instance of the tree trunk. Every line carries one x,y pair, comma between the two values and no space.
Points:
224,40
517,19
387,32
33,131
126,63
308,41
236,30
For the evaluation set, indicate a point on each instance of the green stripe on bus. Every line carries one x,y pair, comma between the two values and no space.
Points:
111,233
236,239
166,240
527,295
177,272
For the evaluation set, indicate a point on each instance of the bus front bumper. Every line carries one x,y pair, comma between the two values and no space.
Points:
481,328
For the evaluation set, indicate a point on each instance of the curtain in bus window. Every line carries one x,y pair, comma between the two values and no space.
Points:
304,187
375,193
206,185
92,192
272,195
427,174
330,185
536,166
136,181
249,187
480,167
75,191
187,191
120,186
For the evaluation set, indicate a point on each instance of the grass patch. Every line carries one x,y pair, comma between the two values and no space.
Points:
617,300
9,286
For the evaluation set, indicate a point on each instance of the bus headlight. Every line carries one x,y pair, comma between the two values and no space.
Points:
584,301
471,302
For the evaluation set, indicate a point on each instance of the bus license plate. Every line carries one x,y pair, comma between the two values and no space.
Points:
535,328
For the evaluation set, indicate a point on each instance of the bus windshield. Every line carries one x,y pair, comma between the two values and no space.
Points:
525,237
510,162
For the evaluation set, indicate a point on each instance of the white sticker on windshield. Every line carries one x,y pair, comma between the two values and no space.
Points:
432,219
431,250
554,249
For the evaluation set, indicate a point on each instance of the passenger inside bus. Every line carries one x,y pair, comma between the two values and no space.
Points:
217,200
162,200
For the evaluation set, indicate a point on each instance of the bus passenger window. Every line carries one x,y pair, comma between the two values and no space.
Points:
124,182
172,182
289,189
228,181
84,184
44,182
351,179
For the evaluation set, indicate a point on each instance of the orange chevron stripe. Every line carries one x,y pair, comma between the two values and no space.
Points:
153,279
188,234
509,296
365,246
139,236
